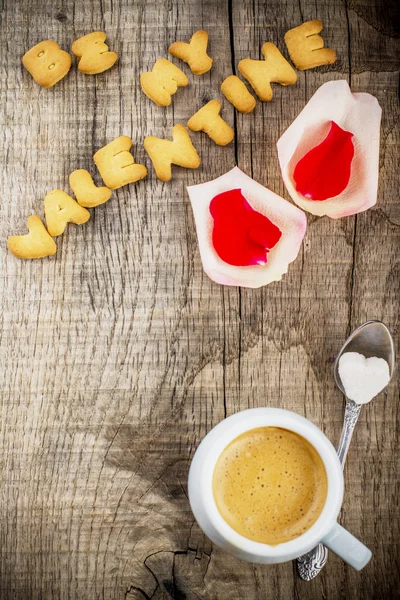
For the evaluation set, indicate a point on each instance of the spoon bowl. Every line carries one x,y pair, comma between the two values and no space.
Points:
372,338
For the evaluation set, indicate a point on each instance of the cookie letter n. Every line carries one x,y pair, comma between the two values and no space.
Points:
47,63
261,73
116,164
164,153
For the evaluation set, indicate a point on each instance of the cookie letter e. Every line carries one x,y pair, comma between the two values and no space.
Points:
306,47
116,164
93,53
47,63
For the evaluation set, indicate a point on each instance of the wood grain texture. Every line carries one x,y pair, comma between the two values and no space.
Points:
118,354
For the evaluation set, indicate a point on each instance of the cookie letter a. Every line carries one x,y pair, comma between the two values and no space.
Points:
164,153
116,164
261,73
93,53
47,63
163,81
60,209
306,47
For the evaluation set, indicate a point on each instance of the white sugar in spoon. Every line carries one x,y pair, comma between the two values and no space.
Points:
372,339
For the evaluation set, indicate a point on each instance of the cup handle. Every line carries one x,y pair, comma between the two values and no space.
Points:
348,547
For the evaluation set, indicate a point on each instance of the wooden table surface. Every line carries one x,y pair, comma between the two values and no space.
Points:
119,354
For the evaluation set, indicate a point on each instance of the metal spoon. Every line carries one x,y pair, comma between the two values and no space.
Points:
370,339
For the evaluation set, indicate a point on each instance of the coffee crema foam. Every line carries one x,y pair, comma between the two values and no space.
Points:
270,485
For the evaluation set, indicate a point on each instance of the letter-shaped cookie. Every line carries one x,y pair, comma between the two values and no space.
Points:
261,73
194,53
86,192
60,209
164,153
207,119
116,164
237,93
306,47
163,81
47,63
36,244
93,53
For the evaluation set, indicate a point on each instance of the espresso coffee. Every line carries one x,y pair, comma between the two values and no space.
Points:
270,485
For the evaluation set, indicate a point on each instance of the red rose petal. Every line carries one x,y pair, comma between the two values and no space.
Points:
324,172
241,236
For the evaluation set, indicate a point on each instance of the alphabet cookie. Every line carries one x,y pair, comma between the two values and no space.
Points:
36,244
306,47
194,53
261,73
47,63
164,153
237,93
163,81
207,119
60,209
86,192
116,164
93,53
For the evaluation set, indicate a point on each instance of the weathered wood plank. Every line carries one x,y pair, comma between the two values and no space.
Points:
118,354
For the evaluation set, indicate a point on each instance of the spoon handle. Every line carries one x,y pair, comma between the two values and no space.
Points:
351,414
310,564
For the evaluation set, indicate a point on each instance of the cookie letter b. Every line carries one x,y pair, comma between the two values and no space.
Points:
116,164
47,63
306,47
93,53
261,73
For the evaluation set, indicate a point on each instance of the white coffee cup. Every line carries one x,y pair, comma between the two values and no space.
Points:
325,529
